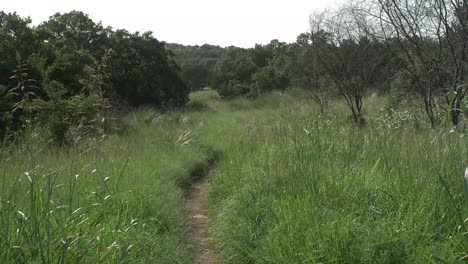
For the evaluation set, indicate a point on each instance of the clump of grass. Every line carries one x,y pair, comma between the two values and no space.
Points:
196,106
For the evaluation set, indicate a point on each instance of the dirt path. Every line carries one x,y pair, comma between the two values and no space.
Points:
198,221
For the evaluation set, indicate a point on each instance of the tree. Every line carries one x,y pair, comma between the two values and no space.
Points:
307,74
75,31
62,54
348,50
261,55
142,71
433,38
454,17
234,73
197,63
15,36
273,66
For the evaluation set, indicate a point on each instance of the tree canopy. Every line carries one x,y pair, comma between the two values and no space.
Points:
59,53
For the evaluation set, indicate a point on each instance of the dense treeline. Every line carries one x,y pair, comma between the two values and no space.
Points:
366,64
413,50
279,66
197,63
71,64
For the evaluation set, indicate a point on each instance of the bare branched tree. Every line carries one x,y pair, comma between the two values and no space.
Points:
453,15
346,46
432,36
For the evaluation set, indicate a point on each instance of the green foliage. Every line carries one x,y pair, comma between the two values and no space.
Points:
400,90
233,89
66,119
253,71
66,51
234,68
142,72
269,78
197,63
289,186
68,68
261,55
74,31
16,36
6,117
110,201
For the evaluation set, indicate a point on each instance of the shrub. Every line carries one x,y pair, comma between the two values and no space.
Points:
66,120
233,89
5,115
400,88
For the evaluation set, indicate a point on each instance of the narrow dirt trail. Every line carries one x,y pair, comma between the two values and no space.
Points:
199,222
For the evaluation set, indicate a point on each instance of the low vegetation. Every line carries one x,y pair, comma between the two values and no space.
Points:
300,188
112,199
288,187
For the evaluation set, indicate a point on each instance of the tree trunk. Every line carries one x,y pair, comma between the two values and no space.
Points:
429,111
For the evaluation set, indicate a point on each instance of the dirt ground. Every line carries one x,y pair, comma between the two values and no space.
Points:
198,221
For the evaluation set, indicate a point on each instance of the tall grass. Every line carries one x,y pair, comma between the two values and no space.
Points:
109,200
290,186
302,188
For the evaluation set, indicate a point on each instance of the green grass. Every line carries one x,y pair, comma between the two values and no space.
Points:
289,186
294,187
109,200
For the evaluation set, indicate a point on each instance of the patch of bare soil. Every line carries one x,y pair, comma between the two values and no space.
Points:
198,221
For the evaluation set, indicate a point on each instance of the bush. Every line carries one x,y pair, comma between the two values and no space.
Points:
268,78
5,115
233,89
67,120
400,88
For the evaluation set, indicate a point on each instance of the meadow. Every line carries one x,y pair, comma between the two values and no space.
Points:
288,186
297,187
117,199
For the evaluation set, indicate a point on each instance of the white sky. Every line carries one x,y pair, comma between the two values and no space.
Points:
219,22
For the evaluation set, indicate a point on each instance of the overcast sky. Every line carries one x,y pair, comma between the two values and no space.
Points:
220,22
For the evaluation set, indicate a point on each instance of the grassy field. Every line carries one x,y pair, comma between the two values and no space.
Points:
289,186
117,199
295,187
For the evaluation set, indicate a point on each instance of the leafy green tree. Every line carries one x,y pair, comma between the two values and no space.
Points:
271,78
234,73
61,54
68,68
74,31
69,43
197,63
261,55
15,36
275,74
142,71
